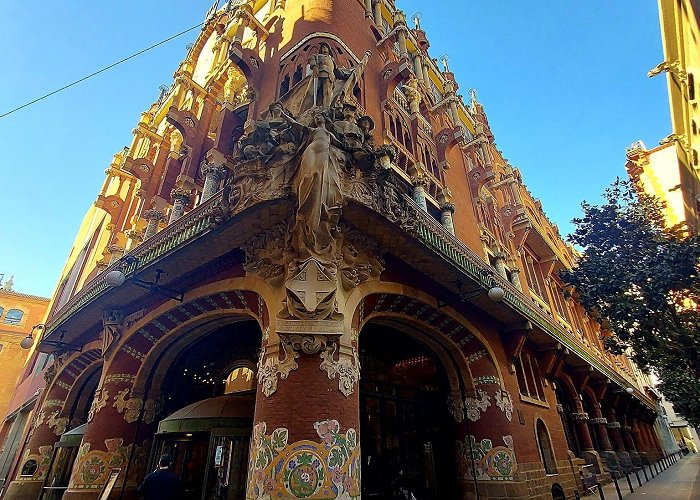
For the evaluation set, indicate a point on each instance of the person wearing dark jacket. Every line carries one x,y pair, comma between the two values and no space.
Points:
161,484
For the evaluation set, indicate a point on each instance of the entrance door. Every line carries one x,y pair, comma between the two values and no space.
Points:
405,428
227,466
189,452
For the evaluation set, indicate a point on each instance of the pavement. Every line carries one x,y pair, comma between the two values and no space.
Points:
681,481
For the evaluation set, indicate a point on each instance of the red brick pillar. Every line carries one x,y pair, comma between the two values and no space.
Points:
48,424
614,428
580,419
627,436
120,429
601,424
305,439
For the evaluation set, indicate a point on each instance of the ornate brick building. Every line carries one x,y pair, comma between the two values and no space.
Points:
312,274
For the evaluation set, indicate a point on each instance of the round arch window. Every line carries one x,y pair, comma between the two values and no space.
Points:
240,379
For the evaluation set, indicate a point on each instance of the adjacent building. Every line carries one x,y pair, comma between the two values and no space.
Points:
312,274
671,170
19,313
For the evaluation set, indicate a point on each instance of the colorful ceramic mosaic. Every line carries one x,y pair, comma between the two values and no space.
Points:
504,401
93,466
484,461
304,469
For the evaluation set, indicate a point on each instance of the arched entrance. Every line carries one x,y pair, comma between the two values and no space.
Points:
406,432
208,395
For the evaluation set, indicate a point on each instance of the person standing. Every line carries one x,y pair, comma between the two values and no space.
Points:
161,483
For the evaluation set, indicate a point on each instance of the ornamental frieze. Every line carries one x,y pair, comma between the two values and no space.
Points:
579,416
599,420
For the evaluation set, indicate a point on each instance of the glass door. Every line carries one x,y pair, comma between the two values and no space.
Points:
227,466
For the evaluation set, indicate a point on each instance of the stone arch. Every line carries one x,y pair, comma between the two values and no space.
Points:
463,335
543,439
155,365
467,357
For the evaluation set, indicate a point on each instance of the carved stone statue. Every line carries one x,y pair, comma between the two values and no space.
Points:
329,85
318,186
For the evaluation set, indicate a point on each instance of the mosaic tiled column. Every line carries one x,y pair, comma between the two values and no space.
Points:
309,450
613,427
181,197
154,217
420,180
447,209
213,174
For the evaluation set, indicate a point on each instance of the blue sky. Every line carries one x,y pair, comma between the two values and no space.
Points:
563,83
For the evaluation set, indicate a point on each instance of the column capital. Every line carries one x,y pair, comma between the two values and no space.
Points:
180,194
153,214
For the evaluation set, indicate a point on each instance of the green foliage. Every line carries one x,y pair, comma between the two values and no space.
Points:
640,280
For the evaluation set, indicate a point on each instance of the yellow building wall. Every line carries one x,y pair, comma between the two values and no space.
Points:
680,34
12,356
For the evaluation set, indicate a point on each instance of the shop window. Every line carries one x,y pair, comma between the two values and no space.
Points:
13,317
545,446
529,378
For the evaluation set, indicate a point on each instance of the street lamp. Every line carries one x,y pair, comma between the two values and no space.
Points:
496,293
117,278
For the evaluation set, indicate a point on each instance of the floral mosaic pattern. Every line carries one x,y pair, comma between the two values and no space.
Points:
476,406
329,469
504,401
93,466
484,461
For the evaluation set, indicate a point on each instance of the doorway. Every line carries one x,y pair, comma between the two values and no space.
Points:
406,431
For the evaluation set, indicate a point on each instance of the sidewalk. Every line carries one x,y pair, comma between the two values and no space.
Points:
681,481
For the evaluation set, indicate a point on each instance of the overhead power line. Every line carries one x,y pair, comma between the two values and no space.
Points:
136,54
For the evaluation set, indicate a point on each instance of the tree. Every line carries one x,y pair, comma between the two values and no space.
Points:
640,280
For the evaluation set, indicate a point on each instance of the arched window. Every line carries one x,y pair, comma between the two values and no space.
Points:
14,317
296,77
284,86
545,446
240,379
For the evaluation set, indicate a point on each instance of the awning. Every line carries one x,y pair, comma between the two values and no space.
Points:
229,411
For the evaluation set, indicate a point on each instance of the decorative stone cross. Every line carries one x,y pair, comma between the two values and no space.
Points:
311,284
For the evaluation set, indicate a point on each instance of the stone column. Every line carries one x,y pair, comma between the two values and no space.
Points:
515,278
368,9
116,252
181,197
420,179
418,66
49,422
426,74
378,14
154,217
400,26
135,236
447,208
613,427
314,449
120,426
213,174
500,264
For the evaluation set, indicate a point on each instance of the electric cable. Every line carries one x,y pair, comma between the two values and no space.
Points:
136,54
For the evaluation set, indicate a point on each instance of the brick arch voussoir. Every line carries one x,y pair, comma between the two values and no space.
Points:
166,351
140,339
450,325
